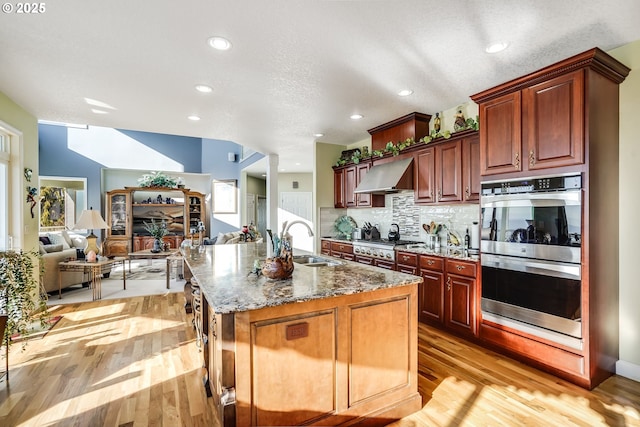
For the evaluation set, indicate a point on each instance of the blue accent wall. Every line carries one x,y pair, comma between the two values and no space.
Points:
58,156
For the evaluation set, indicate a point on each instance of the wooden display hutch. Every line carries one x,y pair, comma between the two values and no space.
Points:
128,209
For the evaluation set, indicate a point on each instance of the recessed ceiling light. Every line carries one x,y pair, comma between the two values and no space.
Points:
96,111
318,135
219,43
405,92
204,88
297,163
496,47
194,118
356,116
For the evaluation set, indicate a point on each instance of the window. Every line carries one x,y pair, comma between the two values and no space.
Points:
4,191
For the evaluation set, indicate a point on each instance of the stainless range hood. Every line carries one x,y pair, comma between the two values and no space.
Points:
388,177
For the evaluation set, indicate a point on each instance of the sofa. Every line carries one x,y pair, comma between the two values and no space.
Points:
60,246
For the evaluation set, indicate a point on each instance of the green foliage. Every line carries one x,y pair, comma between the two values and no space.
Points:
157,179
19,296
156,229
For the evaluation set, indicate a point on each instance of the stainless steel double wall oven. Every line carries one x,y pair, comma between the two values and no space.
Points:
531,256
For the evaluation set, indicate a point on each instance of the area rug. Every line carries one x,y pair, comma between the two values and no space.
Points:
37,330
143,270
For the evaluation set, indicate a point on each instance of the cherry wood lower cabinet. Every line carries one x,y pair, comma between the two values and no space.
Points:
141,243
334,361
448,296
342,250
325,247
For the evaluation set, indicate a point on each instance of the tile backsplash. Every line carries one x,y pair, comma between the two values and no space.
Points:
400,209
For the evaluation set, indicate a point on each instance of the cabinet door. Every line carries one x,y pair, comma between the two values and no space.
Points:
553,122
338,189
460,311
118,215
471,168
431,297
501,135
425,176
449,171
350,182
362,199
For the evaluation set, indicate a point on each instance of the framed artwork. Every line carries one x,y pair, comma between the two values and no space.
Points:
225,196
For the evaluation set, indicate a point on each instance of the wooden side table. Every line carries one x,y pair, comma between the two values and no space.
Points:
94,269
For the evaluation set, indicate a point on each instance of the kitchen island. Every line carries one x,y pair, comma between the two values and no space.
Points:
332,345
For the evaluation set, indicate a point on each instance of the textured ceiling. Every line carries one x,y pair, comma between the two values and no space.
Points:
296,67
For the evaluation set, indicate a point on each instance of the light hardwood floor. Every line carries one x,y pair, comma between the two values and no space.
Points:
123,362
133,362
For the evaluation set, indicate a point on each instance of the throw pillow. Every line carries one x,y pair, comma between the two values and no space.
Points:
57,239
44,240
221,239
66,237
53,248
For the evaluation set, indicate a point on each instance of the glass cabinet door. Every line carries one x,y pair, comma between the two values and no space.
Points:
117,216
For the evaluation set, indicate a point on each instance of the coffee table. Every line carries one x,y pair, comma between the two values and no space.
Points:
94,269
173,255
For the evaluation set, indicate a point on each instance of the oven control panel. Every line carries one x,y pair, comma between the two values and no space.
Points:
532,185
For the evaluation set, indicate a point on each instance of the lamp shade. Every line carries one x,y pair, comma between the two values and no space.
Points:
90,220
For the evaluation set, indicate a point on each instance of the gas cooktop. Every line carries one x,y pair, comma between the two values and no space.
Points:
386,242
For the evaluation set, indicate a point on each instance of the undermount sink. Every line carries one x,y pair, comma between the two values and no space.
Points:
315,261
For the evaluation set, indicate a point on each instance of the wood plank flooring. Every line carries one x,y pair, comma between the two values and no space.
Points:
124,362
133,362
463,384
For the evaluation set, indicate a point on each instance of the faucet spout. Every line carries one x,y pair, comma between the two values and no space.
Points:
287,225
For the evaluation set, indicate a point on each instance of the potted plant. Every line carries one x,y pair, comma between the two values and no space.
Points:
157,230
157,179
20,301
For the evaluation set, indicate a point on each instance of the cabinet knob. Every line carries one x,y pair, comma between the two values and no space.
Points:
405,258
440,194
430,262
467,192
517,162
448,283
460,267
532,158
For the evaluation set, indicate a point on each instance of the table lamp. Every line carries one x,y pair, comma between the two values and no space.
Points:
90,220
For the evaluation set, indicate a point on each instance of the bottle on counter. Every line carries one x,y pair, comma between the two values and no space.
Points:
467,239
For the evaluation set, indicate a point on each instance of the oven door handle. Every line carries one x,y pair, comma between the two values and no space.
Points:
534,266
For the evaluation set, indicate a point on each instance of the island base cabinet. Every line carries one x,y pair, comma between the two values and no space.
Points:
347,360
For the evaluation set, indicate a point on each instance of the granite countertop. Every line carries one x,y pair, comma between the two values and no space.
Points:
451,252
225,278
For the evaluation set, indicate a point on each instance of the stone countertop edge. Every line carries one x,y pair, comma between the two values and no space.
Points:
456,253
224,273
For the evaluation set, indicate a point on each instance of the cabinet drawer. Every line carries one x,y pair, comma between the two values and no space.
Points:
344,248
462,268
428,262
407,258
326,245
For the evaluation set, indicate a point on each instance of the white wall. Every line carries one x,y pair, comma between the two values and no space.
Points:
629,364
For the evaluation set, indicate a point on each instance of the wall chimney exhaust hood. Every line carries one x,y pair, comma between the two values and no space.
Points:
388,177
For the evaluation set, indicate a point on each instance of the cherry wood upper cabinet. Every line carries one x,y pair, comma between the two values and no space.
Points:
500,135
539,121
553,122
449,171
425,175
414,125
471,168
338,188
